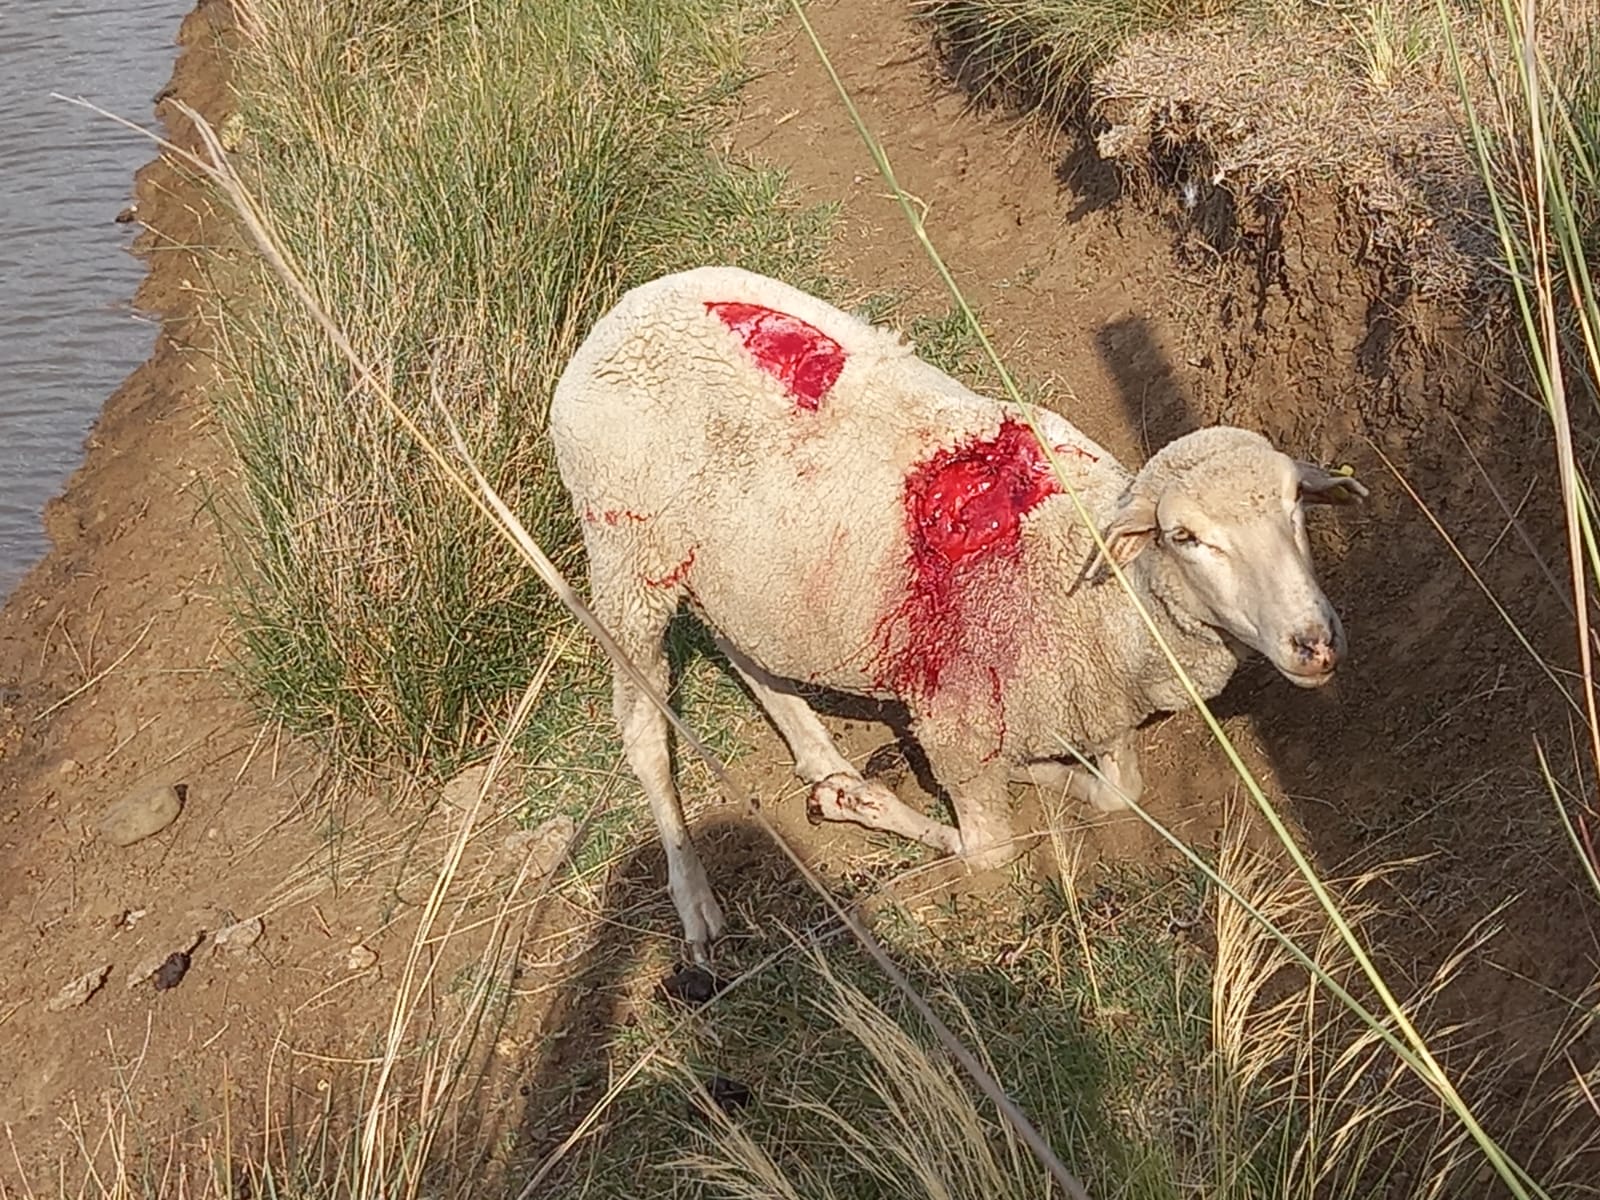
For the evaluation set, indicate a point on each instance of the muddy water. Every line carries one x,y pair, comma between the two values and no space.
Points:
68,333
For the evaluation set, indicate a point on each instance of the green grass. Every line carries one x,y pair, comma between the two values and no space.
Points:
467,188
1161,1042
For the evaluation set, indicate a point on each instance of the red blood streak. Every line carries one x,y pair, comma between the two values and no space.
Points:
1078,450
612,516
964,509
998,699
800,356
675,576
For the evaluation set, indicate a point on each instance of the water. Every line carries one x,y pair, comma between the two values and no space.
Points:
68,334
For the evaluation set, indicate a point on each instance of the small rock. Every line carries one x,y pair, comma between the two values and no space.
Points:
727,1094
159,964
692,984
171,972
68,768
361,958
79,990
541,848
128,215
238,937
461,793
207,917
145,968
141,815
128,918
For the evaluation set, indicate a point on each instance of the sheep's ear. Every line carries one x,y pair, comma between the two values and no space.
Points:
1318,486
1130,531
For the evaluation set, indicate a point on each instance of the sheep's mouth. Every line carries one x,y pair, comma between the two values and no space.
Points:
1308,679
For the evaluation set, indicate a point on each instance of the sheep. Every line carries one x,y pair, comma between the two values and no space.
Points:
842,514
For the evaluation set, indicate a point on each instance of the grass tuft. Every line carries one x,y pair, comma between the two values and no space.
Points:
1042,54
467,188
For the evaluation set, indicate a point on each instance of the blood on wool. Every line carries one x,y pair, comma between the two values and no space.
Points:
612,516
799,355
958,617
675,576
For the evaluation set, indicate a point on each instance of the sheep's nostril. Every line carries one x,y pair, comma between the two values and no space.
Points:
1317,653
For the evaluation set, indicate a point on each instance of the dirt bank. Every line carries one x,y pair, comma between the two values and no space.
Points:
113,654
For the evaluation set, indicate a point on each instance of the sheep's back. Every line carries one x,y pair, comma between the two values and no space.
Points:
762,462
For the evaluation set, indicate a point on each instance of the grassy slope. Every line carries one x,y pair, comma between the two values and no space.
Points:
468,187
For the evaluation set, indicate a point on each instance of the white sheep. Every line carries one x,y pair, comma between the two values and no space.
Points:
841,513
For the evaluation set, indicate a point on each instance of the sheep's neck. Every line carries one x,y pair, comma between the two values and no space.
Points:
1204,653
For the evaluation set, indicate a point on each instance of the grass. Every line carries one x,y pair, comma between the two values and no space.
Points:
1043,53
1165,1044
1538,152
467,188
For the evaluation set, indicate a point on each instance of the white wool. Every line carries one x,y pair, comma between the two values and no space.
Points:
700,475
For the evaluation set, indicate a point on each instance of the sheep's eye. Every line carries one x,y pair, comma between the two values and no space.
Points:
1179,536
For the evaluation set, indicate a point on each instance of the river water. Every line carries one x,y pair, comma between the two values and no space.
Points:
68,333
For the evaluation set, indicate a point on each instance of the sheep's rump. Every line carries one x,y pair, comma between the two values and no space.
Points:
841,511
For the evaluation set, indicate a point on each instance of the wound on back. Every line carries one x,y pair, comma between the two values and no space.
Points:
799,355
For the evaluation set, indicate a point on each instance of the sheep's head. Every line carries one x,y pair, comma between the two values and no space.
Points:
1218,520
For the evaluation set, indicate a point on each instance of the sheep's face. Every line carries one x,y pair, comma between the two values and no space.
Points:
1221,516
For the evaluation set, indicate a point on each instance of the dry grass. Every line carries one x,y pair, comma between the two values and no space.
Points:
1237,107
1162,1069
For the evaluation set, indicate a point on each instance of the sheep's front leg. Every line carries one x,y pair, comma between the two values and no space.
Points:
977,790
870,804
838,792
1119,766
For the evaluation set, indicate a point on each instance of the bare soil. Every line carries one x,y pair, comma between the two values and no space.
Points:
114,651
115,662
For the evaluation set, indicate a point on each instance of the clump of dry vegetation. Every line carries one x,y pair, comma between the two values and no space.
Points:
1234,108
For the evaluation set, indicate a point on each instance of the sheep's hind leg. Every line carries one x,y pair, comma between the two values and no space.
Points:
838,792
640,633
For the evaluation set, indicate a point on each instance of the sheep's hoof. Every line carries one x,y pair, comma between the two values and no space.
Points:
989,856
698,910
1106,798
